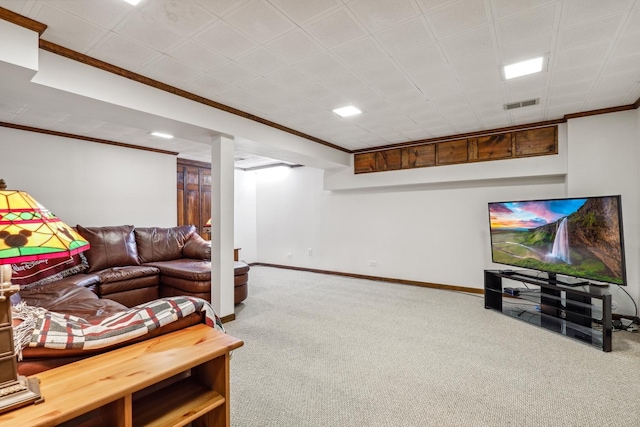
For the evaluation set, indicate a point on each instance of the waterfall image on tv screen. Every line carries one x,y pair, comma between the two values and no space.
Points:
579,237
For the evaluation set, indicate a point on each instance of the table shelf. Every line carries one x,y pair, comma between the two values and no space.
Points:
579,312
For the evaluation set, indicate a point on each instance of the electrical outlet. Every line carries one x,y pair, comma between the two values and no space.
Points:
289,255
309,251
373,263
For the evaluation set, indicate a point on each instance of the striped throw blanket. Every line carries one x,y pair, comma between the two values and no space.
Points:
43,328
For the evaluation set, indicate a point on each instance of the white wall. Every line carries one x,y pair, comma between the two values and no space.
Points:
89,183
436,230
245,215
604,160
435,234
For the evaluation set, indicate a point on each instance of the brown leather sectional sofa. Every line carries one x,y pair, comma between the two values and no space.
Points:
127,266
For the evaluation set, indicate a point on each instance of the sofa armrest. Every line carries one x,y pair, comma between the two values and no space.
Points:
197,248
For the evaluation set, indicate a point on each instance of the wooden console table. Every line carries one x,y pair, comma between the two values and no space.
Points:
171,380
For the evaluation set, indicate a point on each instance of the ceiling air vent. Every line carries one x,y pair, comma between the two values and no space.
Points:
514,105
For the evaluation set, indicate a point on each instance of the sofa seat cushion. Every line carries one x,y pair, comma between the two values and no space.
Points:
184,268
110,246
162,244
74,300
118,274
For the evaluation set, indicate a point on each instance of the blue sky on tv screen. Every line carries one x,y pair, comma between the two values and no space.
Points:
530,214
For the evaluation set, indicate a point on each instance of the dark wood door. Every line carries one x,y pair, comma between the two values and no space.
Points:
194,195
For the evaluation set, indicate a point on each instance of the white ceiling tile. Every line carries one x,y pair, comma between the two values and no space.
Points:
569,75
192,53
143,29
404,37
580,11
289,77
598,103
431,4
263,88
580,56
209,85
629,63
573,98
632,26
344,81
458,17
165,68
533,24
259,20
526,49
379,14
360,52
510,7
116,49
69,27
618,84
312,91
221,7
627,46
105,14
322,66
261,61
471,43
392,86
424,57
184,16
233,74
379,71
335,29
77,124
590,33
224,39
484,78
301,11
443,91
431,75
78,47
568,88
295,46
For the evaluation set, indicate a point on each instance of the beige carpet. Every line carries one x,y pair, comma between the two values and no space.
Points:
324,350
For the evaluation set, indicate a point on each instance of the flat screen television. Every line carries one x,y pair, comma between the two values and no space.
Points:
575,237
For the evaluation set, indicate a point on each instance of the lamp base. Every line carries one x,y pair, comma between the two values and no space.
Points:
22,392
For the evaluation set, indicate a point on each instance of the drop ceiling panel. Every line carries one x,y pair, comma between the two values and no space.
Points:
417,68
196,55
225,40
405,36
377,15
458,17
142,29
295,46
184,16
259,20
337,28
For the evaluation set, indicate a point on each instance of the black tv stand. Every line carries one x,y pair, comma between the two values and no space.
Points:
582,313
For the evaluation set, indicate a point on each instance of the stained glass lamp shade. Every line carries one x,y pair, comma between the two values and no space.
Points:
28,232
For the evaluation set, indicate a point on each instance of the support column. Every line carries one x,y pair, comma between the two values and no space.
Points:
222,196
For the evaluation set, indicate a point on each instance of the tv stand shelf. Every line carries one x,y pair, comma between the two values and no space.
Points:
582,312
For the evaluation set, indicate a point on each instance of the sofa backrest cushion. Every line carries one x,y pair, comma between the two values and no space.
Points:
111,246
162,244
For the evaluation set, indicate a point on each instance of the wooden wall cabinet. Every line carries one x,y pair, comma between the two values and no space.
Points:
507,145
194,195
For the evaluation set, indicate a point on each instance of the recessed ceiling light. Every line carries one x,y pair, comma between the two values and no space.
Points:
347,111
162,135
523,68
133,2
